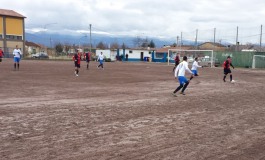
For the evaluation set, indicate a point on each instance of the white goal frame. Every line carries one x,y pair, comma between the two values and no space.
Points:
179,50
254,60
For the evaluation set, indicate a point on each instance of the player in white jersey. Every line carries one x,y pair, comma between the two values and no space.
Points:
180,74
17,55
195,67
100,59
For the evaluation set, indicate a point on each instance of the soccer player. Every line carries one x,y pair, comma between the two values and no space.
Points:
87,57
180,74
1,54
227,63
101,59
17,55
77,61
176,61
195,66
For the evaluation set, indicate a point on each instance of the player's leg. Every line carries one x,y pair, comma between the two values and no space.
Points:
225,73
185,86
231,76
181,84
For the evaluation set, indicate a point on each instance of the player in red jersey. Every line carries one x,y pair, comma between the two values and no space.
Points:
1,54
77,61
227,63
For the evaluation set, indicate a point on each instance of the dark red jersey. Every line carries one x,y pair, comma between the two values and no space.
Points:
1,53
227,63
177,59
87,55
77,58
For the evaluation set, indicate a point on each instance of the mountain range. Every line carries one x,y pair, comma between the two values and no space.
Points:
52,39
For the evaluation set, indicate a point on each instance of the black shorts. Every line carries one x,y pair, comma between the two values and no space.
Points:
176,63
77,65
227,70
87,60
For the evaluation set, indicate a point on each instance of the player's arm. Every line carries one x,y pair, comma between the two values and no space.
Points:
232,65
176,71
187,68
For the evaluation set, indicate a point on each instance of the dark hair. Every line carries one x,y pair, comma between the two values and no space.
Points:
228,57
185,58
196,58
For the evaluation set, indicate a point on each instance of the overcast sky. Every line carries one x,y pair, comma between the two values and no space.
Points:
144,18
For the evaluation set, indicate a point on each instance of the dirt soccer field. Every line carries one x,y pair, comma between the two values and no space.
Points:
126,112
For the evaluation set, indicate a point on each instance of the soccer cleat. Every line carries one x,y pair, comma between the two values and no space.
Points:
182,93
224,80
174,94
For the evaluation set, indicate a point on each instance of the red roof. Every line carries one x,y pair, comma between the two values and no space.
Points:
11,13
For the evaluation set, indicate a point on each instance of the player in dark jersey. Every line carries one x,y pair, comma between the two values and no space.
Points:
176,61
1,54
77,62
87,57
227,63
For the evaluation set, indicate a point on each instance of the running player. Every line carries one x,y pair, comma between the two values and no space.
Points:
195,66
1,54
17,55
176,61
77,61
101,59
87,57
227,63
180,74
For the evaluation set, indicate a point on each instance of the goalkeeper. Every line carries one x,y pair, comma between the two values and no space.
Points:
227,63
180,74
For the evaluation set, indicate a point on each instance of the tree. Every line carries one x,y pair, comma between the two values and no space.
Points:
124,46
67,48
152,44
114,45
59,48
101,45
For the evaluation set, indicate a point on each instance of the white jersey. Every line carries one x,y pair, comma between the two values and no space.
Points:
195,65
181,68
101,57
17,53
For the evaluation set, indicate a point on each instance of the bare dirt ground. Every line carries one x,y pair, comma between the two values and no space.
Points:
126,112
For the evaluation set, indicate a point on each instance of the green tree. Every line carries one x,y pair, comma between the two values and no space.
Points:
152,44
101,45
59,48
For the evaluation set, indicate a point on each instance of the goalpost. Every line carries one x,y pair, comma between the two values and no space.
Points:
258,61
203,55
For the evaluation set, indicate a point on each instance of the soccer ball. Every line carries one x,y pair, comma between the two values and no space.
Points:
233,81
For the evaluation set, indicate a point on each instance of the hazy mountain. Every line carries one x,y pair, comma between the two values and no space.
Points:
52,39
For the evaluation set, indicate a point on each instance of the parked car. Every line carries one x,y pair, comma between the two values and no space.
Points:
206,62
40,55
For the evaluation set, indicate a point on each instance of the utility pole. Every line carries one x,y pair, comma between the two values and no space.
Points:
260,41
196,39
214,32
237,38
90,37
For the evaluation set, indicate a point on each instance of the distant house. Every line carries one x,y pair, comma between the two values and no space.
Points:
12,31
161,54
32,48
212,46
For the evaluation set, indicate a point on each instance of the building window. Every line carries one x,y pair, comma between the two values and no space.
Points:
13,37
1,36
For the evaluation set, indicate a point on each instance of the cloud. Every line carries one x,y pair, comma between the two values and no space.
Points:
138,17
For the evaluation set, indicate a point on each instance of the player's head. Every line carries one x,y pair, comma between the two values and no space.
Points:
185,58
228,57
196,59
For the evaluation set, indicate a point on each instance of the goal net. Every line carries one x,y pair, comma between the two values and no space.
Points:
205,57
258,61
